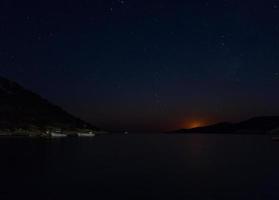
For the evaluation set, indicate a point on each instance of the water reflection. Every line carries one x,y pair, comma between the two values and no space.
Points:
145,166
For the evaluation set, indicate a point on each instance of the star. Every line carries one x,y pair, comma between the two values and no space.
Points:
50,34
222,45
222,36
157,98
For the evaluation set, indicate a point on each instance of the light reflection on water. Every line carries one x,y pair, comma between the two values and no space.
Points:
142,166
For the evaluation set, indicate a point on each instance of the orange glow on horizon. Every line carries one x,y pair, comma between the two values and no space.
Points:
194,124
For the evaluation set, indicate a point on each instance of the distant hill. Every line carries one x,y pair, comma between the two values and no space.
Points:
256,125
23,109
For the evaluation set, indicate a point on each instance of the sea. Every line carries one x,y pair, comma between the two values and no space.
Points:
140,166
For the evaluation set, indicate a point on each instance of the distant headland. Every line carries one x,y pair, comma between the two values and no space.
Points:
256,125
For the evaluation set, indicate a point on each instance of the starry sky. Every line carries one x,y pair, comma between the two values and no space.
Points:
146,64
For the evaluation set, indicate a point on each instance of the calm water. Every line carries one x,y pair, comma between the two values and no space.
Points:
140,167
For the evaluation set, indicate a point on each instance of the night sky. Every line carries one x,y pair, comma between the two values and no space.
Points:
146,64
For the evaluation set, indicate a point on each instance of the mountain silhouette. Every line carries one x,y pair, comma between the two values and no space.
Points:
23,109
256,125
